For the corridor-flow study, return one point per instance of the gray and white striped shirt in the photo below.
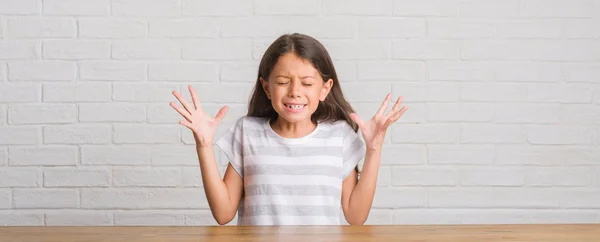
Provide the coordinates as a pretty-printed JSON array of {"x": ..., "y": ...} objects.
[{"x": 291, "y": 181}]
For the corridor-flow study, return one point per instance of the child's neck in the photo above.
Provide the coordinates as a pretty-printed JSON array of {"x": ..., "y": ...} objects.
[{"x": 293, "y": 130}]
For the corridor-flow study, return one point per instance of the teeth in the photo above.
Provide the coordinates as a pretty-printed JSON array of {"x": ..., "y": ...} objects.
[{"x": 295, "y": 106}]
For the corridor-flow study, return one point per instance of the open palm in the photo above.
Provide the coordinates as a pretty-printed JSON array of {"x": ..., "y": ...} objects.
[
  {"x": 202, "y": 125},
  {"x": 374, "y": 130}
]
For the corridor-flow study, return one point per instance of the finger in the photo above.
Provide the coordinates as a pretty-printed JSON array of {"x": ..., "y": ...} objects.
[
  {"x": 183, "y": 102},
  {"x": 397, "y": 105},
  {"x": 221, "y": 114},
  {"x": 384, "y": 104},
  {"x": 395, "y": 117},
  {"x": 357, "y": 119},
  {"x": 183, "y": 113},
  {"x": 186, "y": 124},
  {"x": 194, "y": 97}
]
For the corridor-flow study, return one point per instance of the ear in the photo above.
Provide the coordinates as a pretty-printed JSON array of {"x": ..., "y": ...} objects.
[
  {"x": 265, "y": 86},
  {"x": 325, "y": 90}
]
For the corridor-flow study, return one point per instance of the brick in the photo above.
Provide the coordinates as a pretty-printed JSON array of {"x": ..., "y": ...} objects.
[
  {"x": 165, "y": 114},
  {"x": 363, "y": 92},
  {"x": 77, "y": 134},
  {"x": 217, "y": 7},
  {"x": 259, "y": 26},
  {"x": 579, "y": 29},
  {"x": 77, "y": 92},
  {"x": 415, "y": 114},
  {"x": 287, "y": 7},
  {"x": 144, "y": 92},
  {"x": 20, "y": 135},
  {"x": 559, "y": 134},
  {"x": 246, "y": 72},
  {"x": 42, "y": 70},
  {"x": 146, "y": 134},
  {"x": 79, "y": 218},
  {"x": 447, "y": 70},
  {"x": 392, "y": 197},
  {"x": 76, "y": 7},
  {"x": 174, "y": 155},
  {"x": 358, "y": 49},
  {"x": 149, "y": 218},
  {"x": 392, "y": 70},
  {"x": 184, "y": 28},
  {"x": 41, "y": 27},
  {"x": 559, "y": 92},
  {"x": 489, "y": 8},
  {"x": 45, "y": 198},
  {"x": 230, "y": 93},
  {"x": 259, "y": 46},
  {"x": 20, "y": 177},
  {"x": 183, "y": 71},
  {"x": 546, "y": 155},
  {"x": 5, "y": 199},
  {"x": 75, "y": 49},
  {"x": 427, "y": 92},
  {"x": 580, "y": 114},
  {"x": 357, "y": 7},
  {"x": 138, "y": 198},
  {"x": 596, "y": 90},
  {"x": 217, "y": 49},
  {"x": 459, "y": 29},
  {"x": 582, "y": 72},
  {"x": 415, "y": 176},
  {"x": 559, "y": 9},
  {"x": 113, "y": 71},
  {"x": 18, "y": 50},
  {"x": 191, "y": 176},
  {"x": 162, "y": 8},
  {"x": 112, "y": 112},
  {"x": 424, "y": 133},
  {"x": 203, "y": 218},
  {"x": 346, "y": 70},
  {"x": 433, "y": 8},
  {"x": 76, "y": 177},
  {"x": 428, "y": 49},
  {"x": 321, "y": 27},
  {"x": 580, "y": 199},
  {"x": 115, "y": 155},
  {"x": 43, "y": 156},
  {"x": 42, "y": 113},
  {"x": 3, "y": 156},
  {"x": 493, "y": 92},
  {"x": 527, "y": 113},
  {"x": 146, "y": 177},
  {"x": 384, "y": 176},
  {"x": 3, "y": 114},
  {"x": 146, "y": 49},
  {"x": 452, "y": 112},
  {"x": 20, "y": 7},
  {"x": 493, "y": 197},
  {"x": 528, "y": 71},
  {"x": 558, "y": 176},
  {"x": 492, "y": 133},
  {"x": 21, "y": 218},
  {"x": 460, "y": 154},
  {"x": 529, "y": 29},
  {"x": 391, "y": 28},
  {"x": 379, "y": 217},
  {"x": 492, "y": 176},
  {"x": 538, "y": 50},
  {"x": 112, "y": 28}
]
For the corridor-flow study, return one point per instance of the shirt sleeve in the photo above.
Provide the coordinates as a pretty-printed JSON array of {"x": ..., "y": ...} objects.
[
  {"x": 354, "y": 150},
  {"x": 231, "y": 143}
]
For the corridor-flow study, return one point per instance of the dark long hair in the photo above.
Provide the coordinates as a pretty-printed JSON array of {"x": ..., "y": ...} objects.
[{"x": 334, "y": 108}]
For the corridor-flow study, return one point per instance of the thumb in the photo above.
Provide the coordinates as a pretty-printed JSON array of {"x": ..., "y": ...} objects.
[
  {"x": 221, "y": 114},
  {"x": 357, "y": 119}
]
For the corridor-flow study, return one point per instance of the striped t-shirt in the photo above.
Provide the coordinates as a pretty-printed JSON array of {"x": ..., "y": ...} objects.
[{"x": 291, "y": 181}]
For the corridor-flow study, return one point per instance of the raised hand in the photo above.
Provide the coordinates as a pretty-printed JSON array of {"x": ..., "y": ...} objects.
[
  {"x": 202, "y": 125},
  {"x": 374, "y": 130}
]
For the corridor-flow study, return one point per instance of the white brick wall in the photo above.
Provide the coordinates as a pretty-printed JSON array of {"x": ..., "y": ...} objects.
[{"x": 503, "y": 125}]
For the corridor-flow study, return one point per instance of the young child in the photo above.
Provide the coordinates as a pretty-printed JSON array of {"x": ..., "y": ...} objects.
[{"x": 293, "y": 157}]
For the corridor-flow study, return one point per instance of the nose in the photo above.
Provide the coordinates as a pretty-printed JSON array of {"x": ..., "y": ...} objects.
[{"x": 294, "y": 90}]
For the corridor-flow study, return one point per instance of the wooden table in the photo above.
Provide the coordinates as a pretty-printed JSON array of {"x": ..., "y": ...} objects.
[{"x": 396, "y": 233}]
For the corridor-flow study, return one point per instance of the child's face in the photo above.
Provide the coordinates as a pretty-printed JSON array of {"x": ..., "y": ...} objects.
[{"x": 295, "y": 88}]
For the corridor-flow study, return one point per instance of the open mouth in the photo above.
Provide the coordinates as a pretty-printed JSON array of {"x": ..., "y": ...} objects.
[{"x": 294, "y": 108}]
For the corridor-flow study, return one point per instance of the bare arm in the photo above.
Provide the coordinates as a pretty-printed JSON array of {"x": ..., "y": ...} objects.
[
  {"x": 223, "y": 195},
  {"x": 357, "y": 195}
]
